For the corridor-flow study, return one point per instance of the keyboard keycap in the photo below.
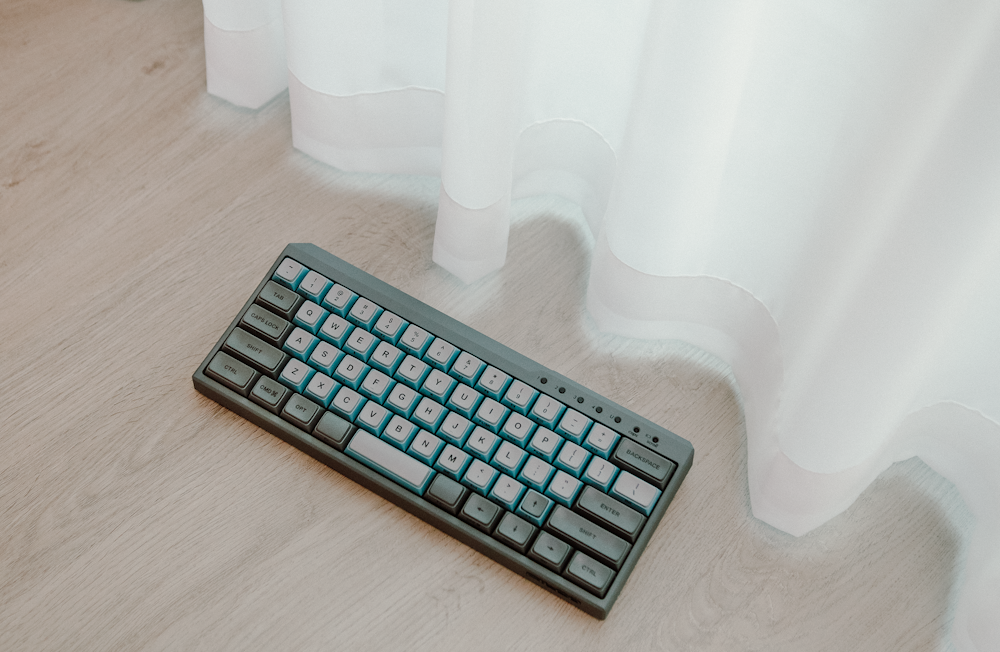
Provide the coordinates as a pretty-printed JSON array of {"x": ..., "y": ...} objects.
[
  {"x": 535, "y": 507},
  {"x": 429, "y": 414},
  {"x": 267, "y": 325},
  {"x": 520, "y": 397},
  {"x": 232, "y": 373},
  {"x": 481, "y": 513},
  {"x": 493, "y": 382},
  {"x": 646, "y": 464},
  {"x": 426, "y": 447},
  {"x": 600, "y": 473},
  {"x": 600, "y": 440},
  {"x": 573, "y": 426},
  {"x": 325, "y": 357},
  {"x": 438, "y": 385},
  {"x": 310, "y": 317},
  {"x": 480, "y": 477},
  {"x": 296, "y": 374},
  {"x": 453, "y": 462},
  {"x": 441, "y": 354},
  {"x": 333, "y": 430},
  {"x": 615, "y": 515},
  {"x": 464, "y": 400},
  {"x": 515, "y": 532},
  {"x": 415, "y": 340},
  {"x": 390, "y": 461},
  {"x": 518, "y": 429},
  {"x": 455, "y": 429},
  {"x": 360, "y": 344},
  {"x": 373, "y": 418},
  {"x": 638, "y": 493},
  {"x": 607, "y": 547},
  {"x": 563, "y": 488},
  {"x": 482, "y": 444},
  {"x": 389, "y": 326},
  {"x": 402, "y": 399},
  {"x": 467, "y": 368},
  {"x": 572, "y": 459},
  {"x": 321, "y": 389},
  {"x": 547, "y": 411},
  {"x": 386, "y": 358},
  {"x": 490, "y": 414},
  {"x": 347, "y": 403},
  {"x": 336, "y": 330},
  {"x": 509, "y": 458},
  {"x": 270, "y": 393},
  {"x": 413, "y": 372},
  {"x": 301, "y": 344},
  {"x": 290, "y": 272},
  {"x": 301, "y": 412},
  {"x": 446, "y": 493},
  {"x": 377, "y": 385},
  {"x": 314, "y": 285},
  {"x": 256, "y": 351},
  {"x": 590, "y": 573},
  {"x": 399, "y": 432},
  {"x": 507, "y": 491},
  {"x": 364, "y": 313},
  {"x": 351, "y": 371},
  {"x": 545, "y": 444},
  {"x": 279, "y": 299},
  {"x": 536, "y": 473},
  {"x": 339, "y": 299},
  {"x": 550, "y": 551}
]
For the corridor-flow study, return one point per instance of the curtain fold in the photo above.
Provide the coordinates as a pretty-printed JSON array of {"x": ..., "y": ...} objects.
[{"x": 809, "y": 191}]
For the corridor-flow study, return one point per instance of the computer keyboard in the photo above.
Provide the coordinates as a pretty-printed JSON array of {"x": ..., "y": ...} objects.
[{"x": 537, "y": 472}]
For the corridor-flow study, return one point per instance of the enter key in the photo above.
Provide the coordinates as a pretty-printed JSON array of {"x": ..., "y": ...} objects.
[{"x": 618, "y": 517}]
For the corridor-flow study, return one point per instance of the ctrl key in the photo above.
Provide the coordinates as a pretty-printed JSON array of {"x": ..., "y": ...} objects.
[
  {"x": 231, "y": 372},
  {"x": 590, "y": 574}
]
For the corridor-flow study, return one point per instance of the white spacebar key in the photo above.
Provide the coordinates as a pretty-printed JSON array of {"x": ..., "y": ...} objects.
[{"x": 390, "y": 461}]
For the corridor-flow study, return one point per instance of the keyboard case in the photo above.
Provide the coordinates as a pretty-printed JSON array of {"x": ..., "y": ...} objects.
[{"x": 546, "y": 381}]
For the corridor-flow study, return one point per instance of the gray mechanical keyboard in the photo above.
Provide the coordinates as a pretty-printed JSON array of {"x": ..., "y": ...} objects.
[{"x": 535, "y": 471}]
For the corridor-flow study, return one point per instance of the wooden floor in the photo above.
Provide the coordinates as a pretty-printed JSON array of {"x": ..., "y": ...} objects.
[{"x": 136, "y": 215}]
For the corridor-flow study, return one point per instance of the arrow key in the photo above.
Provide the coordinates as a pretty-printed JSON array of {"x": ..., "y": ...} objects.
[
  {"x": 515, "y": 532},
  {"x": 550, "y": 552},
  {"x": 481, "y": 513}
]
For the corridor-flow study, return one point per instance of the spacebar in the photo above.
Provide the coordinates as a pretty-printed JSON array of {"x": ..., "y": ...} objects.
[{"x": 390, "y": 461}]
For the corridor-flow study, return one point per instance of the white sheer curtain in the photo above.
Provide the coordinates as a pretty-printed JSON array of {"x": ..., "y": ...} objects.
[{"x": 810, "y": 190}]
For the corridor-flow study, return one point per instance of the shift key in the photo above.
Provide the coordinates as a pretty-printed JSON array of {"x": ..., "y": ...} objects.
[
  {"x": 256, "y": 351},
  {"x": 580, "y": 532}
]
